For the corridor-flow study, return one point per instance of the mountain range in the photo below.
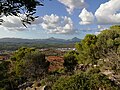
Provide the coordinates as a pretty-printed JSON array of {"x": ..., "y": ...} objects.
[{"x": 45, "y": 41}]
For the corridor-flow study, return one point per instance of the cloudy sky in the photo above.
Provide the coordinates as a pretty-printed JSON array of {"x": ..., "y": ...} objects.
[{"x": 65, "y": 19}]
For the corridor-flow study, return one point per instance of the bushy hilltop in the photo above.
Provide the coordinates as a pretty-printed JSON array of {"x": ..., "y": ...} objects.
[{"x": 94, "y": 65}]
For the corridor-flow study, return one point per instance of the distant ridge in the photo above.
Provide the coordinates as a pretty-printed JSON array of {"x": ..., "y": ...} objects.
[{"x": 49, "y": 40}]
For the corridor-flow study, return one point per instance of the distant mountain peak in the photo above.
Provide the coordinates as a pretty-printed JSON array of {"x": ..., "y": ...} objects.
[
  {"x": 75, "y": 39},
  {"x": 52, "y": 38}
]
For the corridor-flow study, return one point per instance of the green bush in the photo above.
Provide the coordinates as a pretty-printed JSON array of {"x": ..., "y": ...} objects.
[{"x": 84, "y": 81}]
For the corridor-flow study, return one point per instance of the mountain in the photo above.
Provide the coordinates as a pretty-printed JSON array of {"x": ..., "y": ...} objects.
[
  {"x": 45, "y": 41},
  {"x": 52, "y": 38},
  {"x": 75, "y": 39},
  {"x": 14, "y": 40}
]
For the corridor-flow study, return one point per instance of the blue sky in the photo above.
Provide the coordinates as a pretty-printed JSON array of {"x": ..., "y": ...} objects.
[{"x": 65, "y": 19}]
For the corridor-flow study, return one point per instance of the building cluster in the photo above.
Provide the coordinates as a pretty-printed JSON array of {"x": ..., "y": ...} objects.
[{"x": 65, "y": 49}]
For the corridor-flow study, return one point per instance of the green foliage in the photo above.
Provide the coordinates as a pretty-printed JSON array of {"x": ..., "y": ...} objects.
[
  {"x": 93, "y": 70},
  {"x": 4, "y": 75},
  {"x": 36, "y": 66},
  {"x": 108, "y": 44},
  {"x": 70, "y": 61},
  {"x": 20, "y": 53},
  {"x": 108, "y": 40},
  {"x": 84, "y": 81},
  {"x": 115, "y": 27},
  {"x": 49, "y": 81},
  {"x": 93, "y": 47},
  {"x": 104, "y": 48},
  {"x": 87, "y": 50},
  {"x": 29, "y": 63}
]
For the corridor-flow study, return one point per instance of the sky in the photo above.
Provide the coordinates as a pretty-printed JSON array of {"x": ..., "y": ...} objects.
[{"x": 65, "y": 19}]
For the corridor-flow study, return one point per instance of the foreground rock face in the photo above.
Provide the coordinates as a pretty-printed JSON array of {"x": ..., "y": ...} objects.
[
  {"x": 32, "y": 86},
  {"x": 36, "y": 88}
]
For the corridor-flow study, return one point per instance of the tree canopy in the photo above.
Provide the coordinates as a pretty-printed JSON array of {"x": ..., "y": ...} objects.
[
  {"x": 87, "y": 49},
  {"x": 70, "y": 61},
  {"x": 102, "y": 50},
  {"x": 29, "y": 62},
  {"x": 93, "y": 47}
]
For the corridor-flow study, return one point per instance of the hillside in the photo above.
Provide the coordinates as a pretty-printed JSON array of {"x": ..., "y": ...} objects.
[{"x": 51, "y": 40}]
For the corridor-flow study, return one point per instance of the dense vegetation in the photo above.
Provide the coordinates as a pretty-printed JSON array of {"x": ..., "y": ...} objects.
[
  {"x": 27, "y": 64},
  {"x": 95, "y": 65},
  {"x": 84, "y": 81}
]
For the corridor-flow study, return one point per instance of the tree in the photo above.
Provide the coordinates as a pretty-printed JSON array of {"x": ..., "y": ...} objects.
[
  {"x": 70, "y": 61},
  {"x": 26, "y": 65},
  {"x": 17, "y": 7},
  {"x": 29, "y": 63},
  {"x": 103, "y": 50},
  {"x": 93, "y": 48},
  {"x": 36, "y": 66},
  {"x": 87, "y": 50},
  {"x": 108, "y": 44},
  {"x": 108, "y": 40}
]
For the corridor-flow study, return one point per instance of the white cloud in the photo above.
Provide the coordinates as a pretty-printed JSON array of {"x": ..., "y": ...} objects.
[
  {"x": 51, "y": 23},
  {"x": 73, "y": 4},
  {"x": 86, "y": 17},
  {"x": 56, "y": 24},
  {"x": 108, "y": 13},
  {"x": 101, "y": 28},
  {"x": 98, "y": 32},
  {"x": 12, "y": 23}
]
